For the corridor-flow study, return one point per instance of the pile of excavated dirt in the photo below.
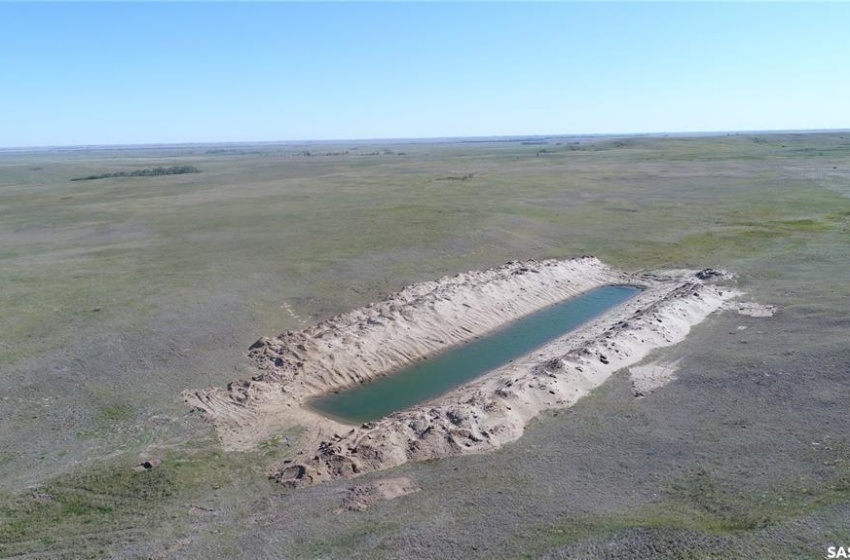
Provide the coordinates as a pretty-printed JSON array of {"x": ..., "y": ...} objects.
[
  {"x": 359, "y": 498},
  {"x": 428, "y": 317}
]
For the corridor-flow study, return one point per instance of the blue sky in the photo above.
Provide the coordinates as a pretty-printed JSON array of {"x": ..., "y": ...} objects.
[{"x": 112, "y": 73}]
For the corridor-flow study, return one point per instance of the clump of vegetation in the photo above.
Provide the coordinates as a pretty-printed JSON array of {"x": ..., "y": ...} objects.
[
  {"x": 152, "y": 172},
  {"x": 465, "y": 177}
]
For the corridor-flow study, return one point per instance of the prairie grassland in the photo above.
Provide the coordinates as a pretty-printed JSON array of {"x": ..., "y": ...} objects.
[{"x": 119, "y": 293}]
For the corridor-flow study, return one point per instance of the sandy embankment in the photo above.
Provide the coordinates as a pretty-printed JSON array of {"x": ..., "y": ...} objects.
[{"x": 425, "y": 318}]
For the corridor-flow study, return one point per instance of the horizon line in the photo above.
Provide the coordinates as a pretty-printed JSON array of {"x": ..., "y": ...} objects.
[{"x": 423, "y": 139}]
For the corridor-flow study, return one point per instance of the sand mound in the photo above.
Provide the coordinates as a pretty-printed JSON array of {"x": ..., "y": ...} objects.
[
  {"x": 360, "y": 498},
  {"x": 752, "y": 309},
  {"x": 649, "y": 377},
  {"x": 424, "y": 318}
]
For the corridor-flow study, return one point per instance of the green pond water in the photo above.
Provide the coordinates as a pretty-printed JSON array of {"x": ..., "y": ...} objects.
[{"x": 443, "y": 372}]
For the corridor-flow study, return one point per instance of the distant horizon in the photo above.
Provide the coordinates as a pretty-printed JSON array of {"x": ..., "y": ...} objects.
[{"x": 423, "y": 139}]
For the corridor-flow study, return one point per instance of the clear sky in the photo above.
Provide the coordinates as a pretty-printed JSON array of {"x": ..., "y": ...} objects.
[{"x": 110, "y": 73}]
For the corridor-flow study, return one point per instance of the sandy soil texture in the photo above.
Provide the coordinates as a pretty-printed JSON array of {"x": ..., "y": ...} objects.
[
  {"x": 425, "y": 318},
  {"x": 359, "y": 498}
]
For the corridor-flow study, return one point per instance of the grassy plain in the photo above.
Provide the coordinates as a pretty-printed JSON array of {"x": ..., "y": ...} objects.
[{"x": 119, "y": 293}]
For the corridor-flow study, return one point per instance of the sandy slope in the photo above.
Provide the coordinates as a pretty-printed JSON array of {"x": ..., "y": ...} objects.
[{"x": 427, "y": 317}]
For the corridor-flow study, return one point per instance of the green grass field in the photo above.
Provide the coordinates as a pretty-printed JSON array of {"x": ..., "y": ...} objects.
[{"x": 119, "y": 293}]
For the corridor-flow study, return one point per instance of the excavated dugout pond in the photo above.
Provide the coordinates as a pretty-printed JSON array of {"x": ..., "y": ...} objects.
[{"x": 442, "y": 373}]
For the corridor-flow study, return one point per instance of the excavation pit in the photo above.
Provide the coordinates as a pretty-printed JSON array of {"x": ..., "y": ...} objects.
[{"x": 439, "y": 374}]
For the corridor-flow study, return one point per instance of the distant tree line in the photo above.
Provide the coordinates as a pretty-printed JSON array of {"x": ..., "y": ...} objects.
[
  {"x": 232, "y": 152},
  {"x": 308, "y": 153},
  {"x": 152, "y": 172},
  {"x": 352, "y": 152},
  {"x": 465, "y": 177}
]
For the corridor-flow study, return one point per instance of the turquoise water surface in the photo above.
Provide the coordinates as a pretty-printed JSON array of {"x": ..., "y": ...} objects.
[{"x": 443, "y": 372}]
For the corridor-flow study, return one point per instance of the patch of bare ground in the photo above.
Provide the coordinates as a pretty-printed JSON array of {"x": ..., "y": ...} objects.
[{"x": 359, "y": 498}]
